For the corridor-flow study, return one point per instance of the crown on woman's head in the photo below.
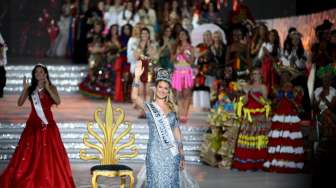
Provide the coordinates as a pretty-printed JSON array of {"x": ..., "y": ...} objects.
[
  {"x": 163, "y": 75},
  {"x": 40, "y": 65}
]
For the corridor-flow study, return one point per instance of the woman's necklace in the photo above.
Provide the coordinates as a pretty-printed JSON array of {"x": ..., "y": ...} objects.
[{"x": 39, "y": 88}]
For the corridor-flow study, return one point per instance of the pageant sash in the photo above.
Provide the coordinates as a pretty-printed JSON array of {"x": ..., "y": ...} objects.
[
  {"x": 162, "y": 125},
  {"x": 38, "y": 107}
]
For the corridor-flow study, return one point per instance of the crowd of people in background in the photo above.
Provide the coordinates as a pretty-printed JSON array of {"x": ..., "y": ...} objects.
[{"x": 269, "y": 77}]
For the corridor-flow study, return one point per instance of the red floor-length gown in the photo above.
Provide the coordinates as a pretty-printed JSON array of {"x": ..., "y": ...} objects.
[{"x": 40, "y": 159}]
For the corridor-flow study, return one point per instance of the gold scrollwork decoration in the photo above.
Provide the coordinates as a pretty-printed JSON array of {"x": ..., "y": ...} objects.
[{"x": 109, "y": 144}]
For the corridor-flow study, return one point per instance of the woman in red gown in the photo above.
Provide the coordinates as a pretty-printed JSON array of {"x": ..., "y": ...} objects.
[{"x": 40, "y": 159}]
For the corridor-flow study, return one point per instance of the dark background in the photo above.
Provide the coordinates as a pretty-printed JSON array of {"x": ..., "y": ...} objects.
[{"x": 20, "y": 26}]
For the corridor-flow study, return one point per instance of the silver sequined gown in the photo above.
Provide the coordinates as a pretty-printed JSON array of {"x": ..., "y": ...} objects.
[{"x": 162, "y": 169}]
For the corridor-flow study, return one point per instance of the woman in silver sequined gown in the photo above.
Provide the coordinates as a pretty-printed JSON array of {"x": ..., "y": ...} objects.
[{"x": 162, "y": 166}]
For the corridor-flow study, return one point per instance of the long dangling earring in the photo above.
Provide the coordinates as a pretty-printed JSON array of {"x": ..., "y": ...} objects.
[
  {"x": 154, "y": 97},
  {"x": 167, "y": 97}
]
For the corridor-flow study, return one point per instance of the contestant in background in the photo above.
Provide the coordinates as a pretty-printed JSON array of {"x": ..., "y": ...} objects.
[
  {"x": 251, "y": 148},
  {"x": 285, "y": 140},
  {"x": 182, "y": 79},
  {"x": 146, "y": 52}
]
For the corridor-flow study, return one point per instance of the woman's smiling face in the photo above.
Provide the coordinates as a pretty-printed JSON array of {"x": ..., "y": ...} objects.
[
  {"x": 40, "y": 74},
  {"x": 162, "y": 89}
]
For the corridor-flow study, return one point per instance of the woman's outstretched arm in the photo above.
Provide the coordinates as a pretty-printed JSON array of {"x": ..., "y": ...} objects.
[
  {"x": 24, "y": 93},
  {"x": 136, "y": 84}
]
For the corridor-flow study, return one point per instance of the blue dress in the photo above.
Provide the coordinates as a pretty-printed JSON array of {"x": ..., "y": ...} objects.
[{"x": 162, "y": 168}]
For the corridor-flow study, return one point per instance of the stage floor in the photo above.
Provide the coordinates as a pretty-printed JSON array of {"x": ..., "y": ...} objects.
[{"x": 206, "y": 176}]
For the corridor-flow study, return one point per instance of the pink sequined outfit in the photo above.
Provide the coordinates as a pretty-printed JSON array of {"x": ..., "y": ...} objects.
[{"x": 182, "y": 76}]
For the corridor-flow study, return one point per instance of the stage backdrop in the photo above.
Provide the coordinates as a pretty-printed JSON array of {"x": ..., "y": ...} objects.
[{"x": 305, "y": 24}]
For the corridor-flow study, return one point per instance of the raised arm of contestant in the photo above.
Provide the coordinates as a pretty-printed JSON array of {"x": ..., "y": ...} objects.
[
  {"x": 136, "y": 84},
  {"x": 24, "y": 93}
]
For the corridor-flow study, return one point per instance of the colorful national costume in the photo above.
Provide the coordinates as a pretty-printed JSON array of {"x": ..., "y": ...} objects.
[
  {"x": 251, "y": 148},
  {"x": 285, "y": 140}
]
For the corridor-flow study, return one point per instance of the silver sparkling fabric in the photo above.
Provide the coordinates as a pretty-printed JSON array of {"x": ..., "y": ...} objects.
[{"x": 162, "y": 168}]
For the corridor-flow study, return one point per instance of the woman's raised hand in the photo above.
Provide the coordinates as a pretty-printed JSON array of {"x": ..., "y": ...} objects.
[
  {"x": 138, "y": 69},
  {"x": 25, "y": 83},
  {"x": 46, "y": 84}
]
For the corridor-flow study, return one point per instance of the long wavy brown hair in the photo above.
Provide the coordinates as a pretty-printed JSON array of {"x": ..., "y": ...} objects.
[{"x": 171, "y": 99}]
